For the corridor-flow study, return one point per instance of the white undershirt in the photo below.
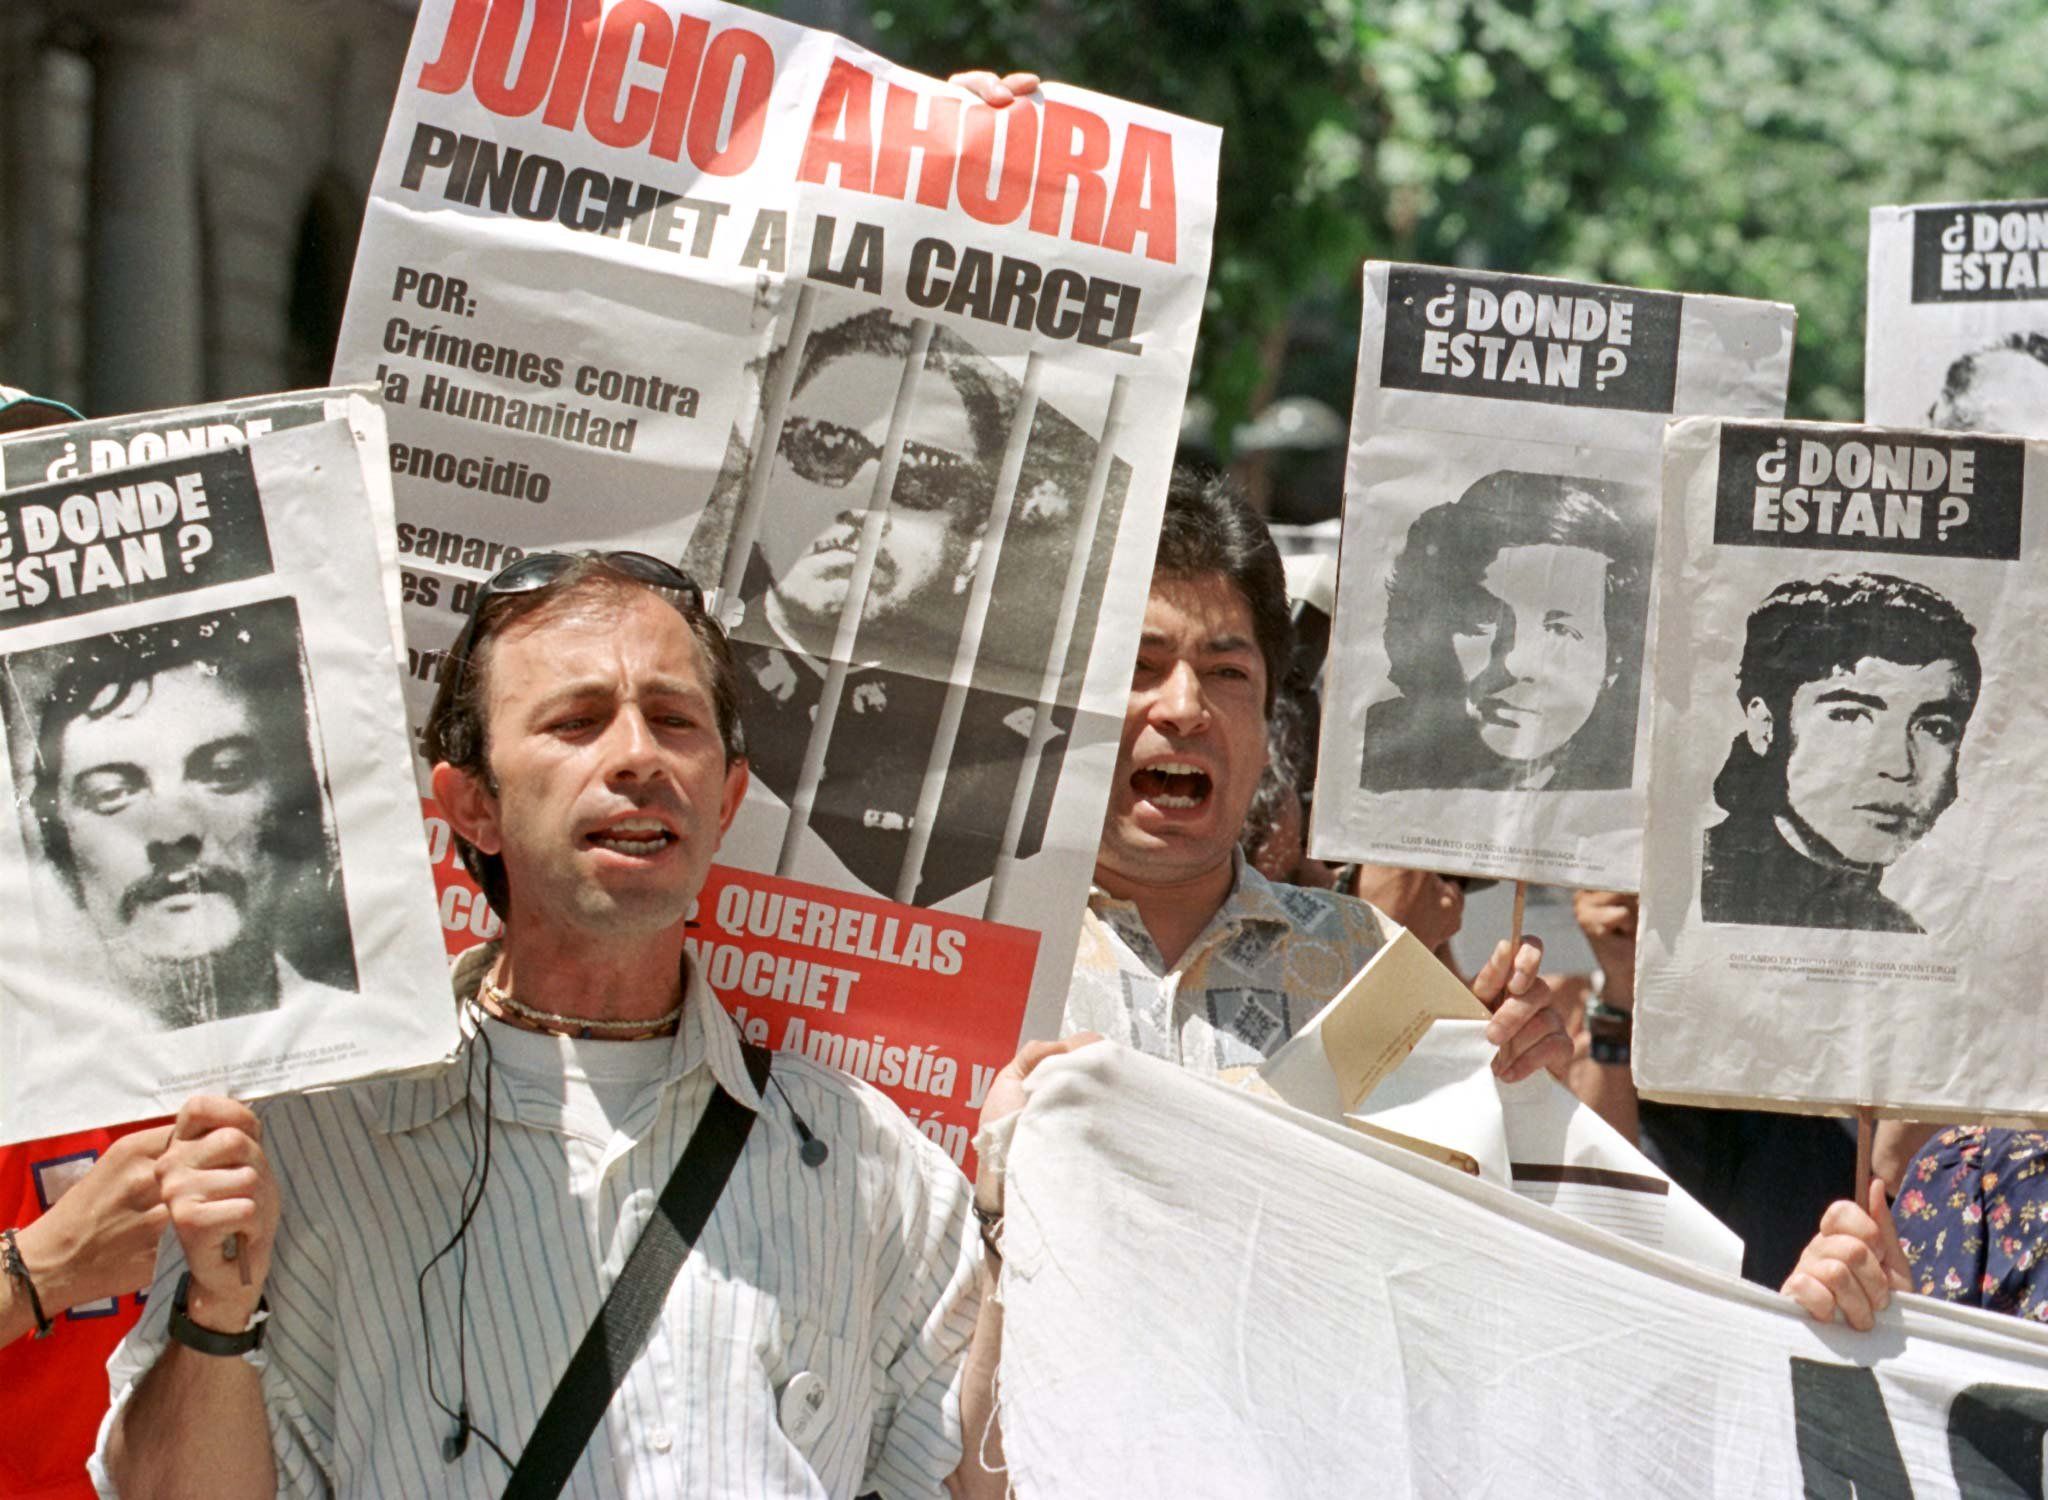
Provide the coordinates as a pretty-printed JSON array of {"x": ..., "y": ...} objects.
[{"x": 598, "y": 1081}]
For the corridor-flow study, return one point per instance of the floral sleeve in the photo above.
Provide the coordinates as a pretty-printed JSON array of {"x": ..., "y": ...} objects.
[{"x": 1973, "y": 1219}]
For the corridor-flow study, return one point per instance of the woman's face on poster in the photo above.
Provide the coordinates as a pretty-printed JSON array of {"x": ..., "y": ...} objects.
[
  {"x": 830, "y": 453},
  {"x": 1532, "y": 648}
]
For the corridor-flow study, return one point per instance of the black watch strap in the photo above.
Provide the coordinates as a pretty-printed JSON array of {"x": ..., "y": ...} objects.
[
  {"x": 1609, "y": 1051},
  {"x": 1609, "y": 1031},
  {"x": 206, "y": 1340}
]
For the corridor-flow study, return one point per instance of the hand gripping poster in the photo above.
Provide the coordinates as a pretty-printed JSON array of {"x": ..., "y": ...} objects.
[
  {"x": 1840, "y": 902},
  {"x": 214, "y": 857},
  {"x": 1483, "y": 707},
  {"x": 1957, "y": 327},
  {"x": 895, "y": 375}
]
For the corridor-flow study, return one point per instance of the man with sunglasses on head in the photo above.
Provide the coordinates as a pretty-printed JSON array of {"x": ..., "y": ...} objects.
[
  {"x": 374, "y": 1290},
  {"x": 798, "y": 580}
]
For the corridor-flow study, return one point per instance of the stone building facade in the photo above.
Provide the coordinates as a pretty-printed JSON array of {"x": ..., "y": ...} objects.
[
  {"x": 180, "y": 188},
  {"x": 181, "y": 184}
]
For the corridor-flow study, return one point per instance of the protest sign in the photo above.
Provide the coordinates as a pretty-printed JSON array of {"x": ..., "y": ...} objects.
[
  {"x": 896, "y": 374},
  {"x": 1956, "y": 332},
  {"x": 1482, "y": 708},
  {"x": 1849, "y": 782},
  {"x": 49, "y": 454},
  {"x": 1341, "y": 1317},
  {"x": 216, "y": 864}
]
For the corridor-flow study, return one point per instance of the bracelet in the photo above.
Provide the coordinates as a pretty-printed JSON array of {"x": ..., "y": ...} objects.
[
  {"x": 991, "y": 1221},
  {"x": 17, "y": 1268}
]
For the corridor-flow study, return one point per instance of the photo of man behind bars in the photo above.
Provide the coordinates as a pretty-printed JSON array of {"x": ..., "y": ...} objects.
[{"x": 911, "y": 558}]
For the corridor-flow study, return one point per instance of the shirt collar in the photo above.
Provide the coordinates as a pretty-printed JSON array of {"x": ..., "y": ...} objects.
[
  {"x": 1253, "y": 898},
  {"x": 706, "y": 1037},
  {"x": 1253, "y": 901}
]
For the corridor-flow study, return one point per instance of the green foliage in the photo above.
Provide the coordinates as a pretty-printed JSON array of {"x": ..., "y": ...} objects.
[
  {"x": 1784, "y": 123},
  {"x": 1698, "y": 145}
]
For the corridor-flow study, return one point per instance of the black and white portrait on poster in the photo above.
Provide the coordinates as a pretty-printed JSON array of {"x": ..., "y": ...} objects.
[
  {"x": 2001, "y": 386},
  {"x": 216, "y": 863},
  {"x": 179, "y": 813},
  {"x": 831, "y": 567},
  {"x": 1483, "y": 698},
  {"x": 1848, "y": 791},
  {"x": 1856, "y": 691},
  {"x": 1514, "y": 637},
  {"x": 1957, "y": 323}
]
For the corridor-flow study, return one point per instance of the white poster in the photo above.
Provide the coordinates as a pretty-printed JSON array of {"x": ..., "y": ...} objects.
[
  {"x": 1208, "y": 1294},
  {"x": 44, "y": 455},
  {"x": 214, "y": 856},
  {"x": 1956, "y": 334},
  {"x": 1839, "y": 868},
  {"x": 895, "y": 374},
  {"x": 1483, "y": 709}
]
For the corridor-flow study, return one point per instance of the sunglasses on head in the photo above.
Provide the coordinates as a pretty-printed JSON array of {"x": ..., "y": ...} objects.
[
  {"x": 537, "y": 570},
  {"x": 827, "y": 453}
]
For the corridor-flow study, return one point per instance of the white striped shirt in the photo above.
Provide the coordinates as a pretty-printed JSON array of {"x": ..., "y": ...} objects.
[{"x": 860, "y": 1271}]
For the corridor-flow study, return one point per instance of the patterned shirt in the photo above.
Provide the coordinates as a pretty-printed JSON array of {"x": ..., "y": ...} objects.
[
  {"x": 1973, "y": 1219},
  {"x": 1271, "y": 957},
  {"x": 810, "y": 1346}
]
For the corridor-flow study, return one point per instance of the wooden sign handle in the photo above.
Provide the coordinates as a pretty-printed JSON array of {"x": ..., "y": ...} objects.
[{"x": 1866, "y": 1132}]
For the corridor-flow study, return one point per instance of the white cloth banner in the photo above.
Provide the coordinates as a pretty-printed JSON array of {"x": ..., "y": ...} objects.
[
  {"x": 1483, "y": 709},
  {"x": 1851, "y": 796},
  {"x": 1207, "y": 1293},
  {"x": 1956, "y": 330},
  {"x": 215, "y": 862}
]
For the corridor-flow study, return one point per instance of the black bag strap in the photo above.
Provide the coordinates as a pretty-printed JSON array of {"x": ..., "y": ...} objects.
[{"x": 599, "y": 1366}]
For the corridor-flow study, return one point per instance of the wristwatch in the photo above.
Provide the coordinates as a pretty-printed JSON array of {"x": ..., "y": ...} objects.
[
  {"x": 1609, "y": 1030},
  {"x": 206, "y": 1340}
]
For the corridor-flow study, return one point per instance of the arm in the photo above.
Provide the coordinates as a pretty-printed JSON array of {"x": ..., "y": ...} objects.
[
  {"x": 1608, "y": 919},
  {"x": 1429, "y": 905},
  {"x": 196, "y": 1424},
  {"x": 1853, "y": 1265},
  {"x": 983, "y": 1472},
  {"x": 1606, "y": 1088},
  {"x": 97, "y": 1240}
]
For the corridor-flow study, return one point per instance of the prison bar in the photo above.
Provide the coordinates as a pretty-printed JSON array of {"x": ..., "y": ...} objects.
[
  {"x": 933, "y": 787},
  {"x": 805, "y": 799},
  {"x": 746, "y": 526},
  {"x": 997, "y": 906}
]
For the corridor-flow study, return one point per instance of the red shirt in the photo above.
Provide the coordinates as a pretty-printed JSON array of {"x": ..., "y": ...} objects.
[{"x": 57, "y": 1386}]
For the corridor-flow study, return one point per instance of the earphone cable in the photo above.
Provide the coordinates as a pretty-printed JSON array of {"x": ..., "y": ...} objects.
[{"x": 471, "y": 1200}]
